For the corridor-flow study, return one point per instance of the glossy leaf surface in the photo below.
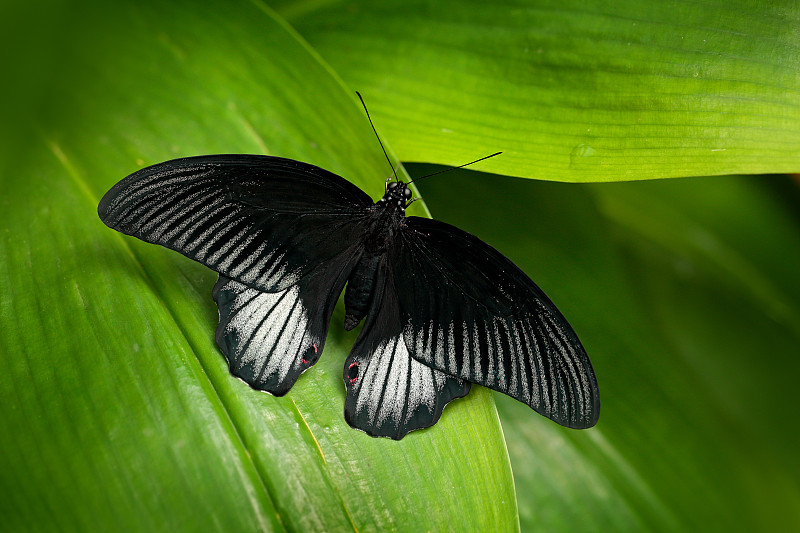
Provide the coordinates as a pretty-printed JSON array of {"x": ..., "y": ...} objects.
[
  {"x": 572, "y": 90},
  {"x": 118, "y": 410}
]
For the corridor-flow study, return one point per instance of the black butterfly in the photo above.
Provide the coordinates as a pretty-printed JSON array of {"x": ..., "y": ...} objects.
[{"x": 443, "y": 309}]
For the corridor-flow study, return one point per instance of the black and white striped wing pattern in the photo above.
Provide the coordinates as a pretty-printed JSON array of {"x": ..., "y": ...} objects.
[
  {"x": 263, "y": 221},
  {"x": 270, "y": 338},
  {"x": 470, "y": 312},
  {"x": 388, "y": 393}
]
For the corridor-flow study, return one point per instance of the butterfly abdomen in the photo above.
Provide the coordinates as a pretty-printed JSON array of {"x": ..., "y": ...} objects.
[
  {"x": 386, "y": 219},
  {"x": 360, "y": 289}
]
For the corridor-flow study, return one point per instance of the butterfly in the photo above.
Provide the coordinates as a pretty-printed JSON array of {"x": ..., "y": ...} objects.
[{"x": 441, "y": 308}]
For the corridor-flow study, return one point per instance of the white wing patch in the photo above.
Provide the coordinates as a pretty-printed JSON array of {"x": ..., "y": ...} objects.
[
  {"x": 266, "y": 336},
  {"x": 390, "y": 394},
  {"x": 393, "y": 385}
]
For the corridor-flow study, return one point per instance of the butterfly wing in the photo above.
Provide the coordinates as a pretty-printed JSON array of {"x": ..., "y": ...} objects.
[
  {"x": 468, "y": 311},
  {"x": 270, "y": 338},
  {"x": 283, "y": 235},
  {"x": 263, "y": 221},
  {"x": 388, "y": 392}
]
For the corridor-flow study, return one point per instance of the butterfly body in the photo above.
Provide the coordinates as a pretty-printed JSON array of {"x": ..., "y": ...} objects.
[
  {"x": 442, "y": 309},
  {"x": 385, "y": 219}
]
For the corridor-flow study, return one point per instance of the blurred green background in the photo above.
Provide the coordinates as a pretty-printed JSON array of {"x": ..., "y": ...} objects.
[{"x": 117, "y": 410}]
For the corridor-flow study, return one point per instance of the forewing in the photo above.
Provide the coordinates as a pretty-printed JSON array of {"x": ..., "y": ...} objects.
[
  {"x": 388, "y": 392},
  {"x": 270, "y": 338},
  {"x": 470, "y": 312},
  {"x": 264, "y": 221}
]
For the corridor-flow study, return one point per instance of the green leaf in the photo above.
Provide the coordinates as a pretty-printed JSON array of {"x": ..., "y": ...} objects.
[
  {"x": 118, "y": 410},
  {"x": 685, "y": 294},
  {"x": 572, "y": 90}
]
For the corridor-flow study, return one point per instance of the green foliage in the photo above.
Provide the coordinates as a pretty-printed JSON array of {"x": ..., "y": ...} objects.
[
  {"x": 574, "y": 90},
  {"x": 685, "y": 291},
  {"x": 118, "y": 411}
]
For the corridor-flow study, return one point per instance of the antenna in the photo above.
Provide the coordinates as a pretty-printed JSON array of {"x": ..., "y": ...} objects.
[
  {"x": 378, "y": 137},
  {"x": 453, "y": 168}
]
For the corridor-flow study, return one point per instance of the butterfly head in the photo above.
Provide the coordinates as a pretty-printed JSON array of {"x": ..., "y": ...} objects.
[{"x": 397, "y": 193}]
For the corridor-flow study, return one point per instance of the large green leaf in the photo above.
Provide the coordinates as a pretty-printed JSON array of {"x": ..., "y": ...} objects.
[
  {"x": 574, "y": 90},
  {"x": 685, "y": 294},
  {"x": 118, "y": 410}
]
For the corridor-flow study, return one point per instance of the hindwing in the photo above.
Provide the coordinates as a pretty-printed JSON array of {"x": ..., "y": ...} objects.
[
  {"x": 388, "y": 392},
  {"x": 270, "y": 338}
]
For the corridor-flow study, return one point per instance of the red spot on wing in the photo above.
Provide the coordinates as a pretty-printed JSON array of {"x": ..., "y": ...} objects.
[
  {"x": 353, "y": 371},
  {"x": 304, "y": 360}
]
